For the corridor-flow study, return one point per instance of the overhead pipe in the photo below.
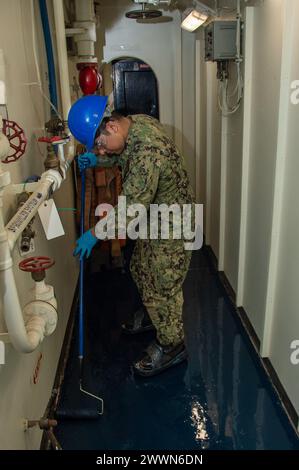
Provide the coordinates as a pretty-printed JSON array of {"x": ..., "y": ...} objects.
[{"x": 85, "y": 18}]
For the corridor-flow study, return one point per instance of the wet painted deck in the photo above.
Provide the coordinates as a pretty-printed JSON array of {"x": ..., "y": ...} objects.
[{"x": 220, "y": 399}]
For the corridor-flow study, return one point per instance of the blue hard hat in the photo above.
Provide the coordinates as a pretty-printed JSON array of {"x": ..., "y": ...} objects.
[{"x": 85, "y": 116}]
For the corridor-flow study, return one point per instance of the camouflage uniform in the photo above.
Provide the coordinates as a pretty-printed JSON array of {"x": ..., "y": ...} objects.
[{"x": 153, "y": 172}]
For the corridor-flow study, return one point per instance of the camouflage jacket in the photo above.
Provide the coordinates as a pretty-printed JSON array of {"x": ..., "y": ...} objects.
[{"x": 153, "y": 170}]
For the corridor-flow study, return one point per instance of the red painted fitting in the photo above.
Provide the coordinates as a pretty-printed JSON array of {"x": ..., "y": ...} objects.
[{"x": 89, "y": 78}]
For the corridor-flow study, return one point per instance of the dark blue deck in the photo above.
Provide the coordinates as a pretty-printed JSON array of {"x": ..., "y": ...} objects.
[{"x": 221, "y": 399}]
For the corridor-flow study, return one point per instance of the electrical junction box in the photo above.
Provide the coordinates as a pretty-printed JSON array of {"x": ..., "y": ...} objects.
[{"x": 220, "y": 40}]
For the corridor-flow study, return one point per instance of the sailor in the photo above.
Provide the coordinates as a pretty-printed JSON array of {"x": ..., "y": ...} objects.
[{"x": 153, "y": 172}]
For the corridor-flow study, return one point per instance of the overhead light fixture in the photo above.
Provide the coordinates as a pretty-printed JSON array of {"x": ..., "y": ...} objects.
[
  {"x": 193, "y": 20},
  {"x": 195, "y": 17}
]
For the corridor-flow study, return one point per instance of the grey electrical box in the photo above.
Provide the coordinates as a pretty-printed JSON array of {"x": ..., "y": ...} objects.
[{"x": 220, "y": 40}]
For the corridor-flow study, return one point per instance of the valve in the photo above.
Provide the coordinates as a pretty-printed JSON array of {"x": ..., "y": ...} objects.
[
  {"x": 44, "y": 424},
  {"x": 16, "y": 138},
  {"x": 52, "y": 161},
  {"x": 37, "y": 265},
  {"x": 47, "y": 426},
  {"x": 89, "y": 78}
]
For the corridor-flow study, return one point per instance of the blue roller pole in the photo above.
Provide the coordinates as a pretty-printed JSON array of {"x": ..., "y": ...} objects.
[{"x": 81, "y": 299}]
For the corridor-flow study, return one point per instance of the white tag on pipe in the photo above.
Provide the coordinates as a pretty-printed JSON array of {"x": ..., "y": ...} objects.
[{"x": 50, "y": 220}]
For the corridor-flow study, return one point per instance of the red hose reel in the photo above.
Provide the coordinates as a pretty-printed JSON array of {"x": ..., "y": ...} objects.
[{"x": 17, "y": 140}]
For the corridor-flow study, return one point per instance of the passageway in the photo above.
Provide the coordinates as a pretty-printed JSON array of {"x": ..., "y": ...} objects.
[{"x": 221, "y": 399}]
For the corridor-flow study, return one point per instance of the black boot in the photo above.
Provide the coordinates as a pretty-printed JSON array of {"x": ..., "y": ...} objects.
[
  {"x": 140, "y": 322},
  {"x": 159, "y": 358}
]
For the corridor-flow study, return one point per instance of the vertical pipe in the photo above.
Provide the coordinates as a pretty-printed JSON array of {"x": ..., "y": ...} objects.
[
  {"x": 178, "y": 87},
  {"x": 63, "y": 72},
  {"x": 62, "y": 57},
  {"x": 197, "y": 117},
  {"x": 84, "y": 10},
  {"x": 81, "y": 300},
  {"x": 223, "y": 190},
  {"x": 246, "y": 150},
  {"x": 210, "y": 137}
]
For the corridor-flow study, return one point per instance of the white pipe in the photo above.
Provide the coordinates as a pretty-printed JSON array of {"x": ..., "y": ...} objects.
[
  {"x": 20, "y": 188},
  {"x": 4, "y": 144},
  {"x": 84, "y": 10},
  {"x": 28, "y": 210},
  {"x": 62, "y": 57},
  {"x": 69, "y": 32},
  {"x": 24, "y": 339},
  {"x": 85, "y": 18}
]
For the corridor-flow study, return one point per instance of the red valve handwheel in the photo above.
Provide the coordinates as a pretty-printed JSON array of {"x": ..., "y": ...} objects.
[
  {"x": 16, "y": 138},
  {"x": 36, "y": 264}
]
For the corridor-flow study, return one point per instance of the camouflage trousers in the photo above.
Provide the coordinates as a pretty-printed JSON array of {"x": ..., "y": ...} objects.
[{"x": 159, "y": 268}]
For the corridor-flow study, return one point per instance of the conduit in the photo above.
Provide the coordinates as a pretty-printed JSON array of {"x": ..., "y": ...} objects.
[{"x": 49, "y": 52}]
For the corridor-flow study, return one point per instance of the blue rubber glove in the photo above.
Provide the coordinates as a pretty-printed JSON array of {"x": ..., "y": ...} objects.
[
  {"x": 85, "y": 244},
  {"x": 87, "y": 160}
]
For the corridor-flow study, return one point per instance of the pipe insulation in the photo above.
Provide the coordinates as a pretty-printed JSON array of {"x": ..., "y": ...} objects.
[
  {"x": 63, "y": 72},
  {"x": 24, "y": 338},
  {"x": 62, "y": 57},
  {"x": 41, "y": 318},
  {"x": 85, "y": 18}
]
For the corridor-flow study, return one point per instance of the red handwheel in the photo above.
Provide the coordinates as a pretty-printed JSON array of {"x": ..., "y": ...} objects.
[
  {"x": 16, "y": 138},
  {"x": 36, "y": 264}
]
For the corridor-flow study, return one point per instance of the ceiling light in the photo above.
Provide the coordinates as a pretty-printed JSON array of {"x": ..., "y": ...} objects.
[
  {"x": 196, "y": 16},
  {"x": 193, "y": 20}
]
